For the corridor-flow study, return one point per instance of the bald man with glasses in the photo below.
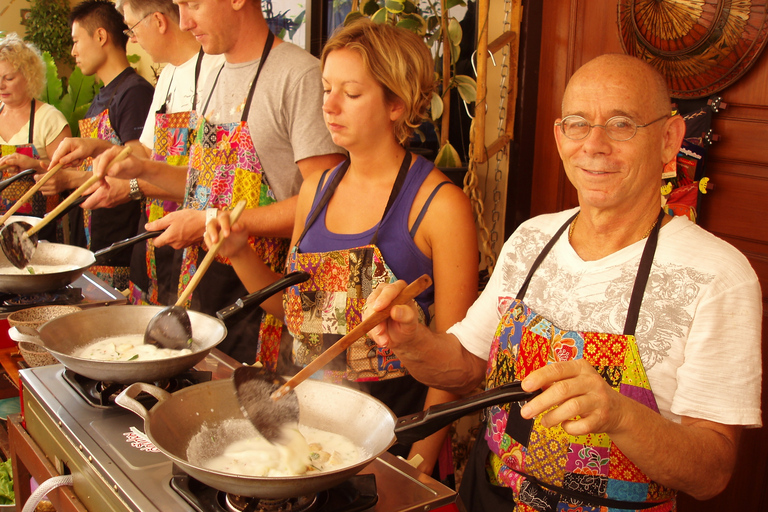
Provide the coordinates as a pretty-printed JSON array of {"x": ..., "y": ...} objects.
[{"x": 640, "y": 331}]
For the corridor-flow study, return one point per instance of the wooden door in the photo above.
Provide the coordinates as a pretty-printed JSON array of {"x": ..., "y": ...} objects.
[{"x": 575, "y": 31}]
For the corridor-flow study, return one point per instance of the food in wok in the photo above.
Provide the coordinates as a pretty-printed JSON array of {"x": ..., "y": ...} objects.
[{"x": 127, "y": 347}]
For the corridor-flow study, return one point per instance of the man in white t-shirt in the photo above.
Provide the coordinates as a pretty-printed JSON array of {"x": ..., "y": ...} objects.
[{"x": 641, "y": 330}]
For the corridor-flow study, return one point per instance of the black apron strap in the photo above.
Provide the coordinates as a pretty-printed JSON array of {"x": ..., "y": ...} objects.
[
  {"x": 264, "y": 55},
  {"x": 643, "y": 273},
  {"x": 210, "y": 94},
  {"x": 32, "y": 122},
  {"x": 542, "y": 255},
  {"x": 198, "y": 67},
  {"x": 331, "y": 188}
]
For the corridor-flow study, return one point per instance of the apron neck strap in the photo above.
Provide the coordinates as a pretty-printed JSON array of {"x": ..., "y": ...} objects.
[
  {"x": 331, "y": 188},
  {"x": 643, "y": 271},
  {"x": 264, "y": 55},
  {"x": 198, "y": 67},
  {"x": 32, "y": 121}
]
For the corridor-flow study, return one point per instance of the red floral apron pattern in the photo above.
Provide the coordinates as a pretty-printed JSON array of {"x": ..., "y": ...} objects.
[
  {"x": 321, "y": 310},
  {"x": 99, "y": 127},
  {"x": 174, "y": 134},
  {"x": 525, "y": 454}
]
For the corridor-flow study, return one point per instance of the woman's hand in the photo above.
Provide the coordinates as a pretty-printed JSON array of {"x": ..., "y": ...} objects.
[{"x": 235, "y": 237}]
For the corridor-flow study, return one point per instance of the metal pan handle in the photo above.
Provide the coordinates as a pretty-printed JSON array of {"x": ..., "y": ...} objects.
[
  {"x": 257, "y": 297},
  {"x": 126, "y": 243},
  {"x": 412, "y": 428},
  {"x": 127, "y": 397},
  {"x": 4, "y": 184}
]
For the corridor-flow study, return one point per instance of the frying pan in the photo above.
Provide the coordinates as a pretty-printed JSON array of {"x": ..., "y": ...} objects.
[
  {"x": 178, "y": 423},
  {"x": 66, "y": 335},
  {"x": 76, "y": 259}
]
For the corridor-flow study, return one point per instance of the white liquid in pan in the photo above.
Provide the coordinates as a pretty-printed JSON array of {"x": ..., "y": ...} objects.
[
  {"x": 129, "y": 347},
  {"x": 307, "y": 450},
  {"x": 36, "y": 269}
]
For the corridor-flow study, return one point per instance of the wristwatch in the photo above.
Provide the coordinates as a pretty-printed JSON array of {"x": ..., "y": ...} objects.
[{"x": 135, "y": 193}]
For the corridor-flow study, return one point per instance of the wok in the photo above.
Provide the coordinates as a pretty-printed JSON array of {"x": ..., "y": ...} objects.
[
  {"x": 180, "y": 423},
  {"x": 75, "y": 258},
  {"x": 66, "y": 335}
]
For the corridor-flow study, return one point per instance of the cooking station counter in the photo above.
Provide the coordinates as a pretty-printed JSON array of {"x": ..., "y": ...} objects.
[{"x": 115, "y": 467}]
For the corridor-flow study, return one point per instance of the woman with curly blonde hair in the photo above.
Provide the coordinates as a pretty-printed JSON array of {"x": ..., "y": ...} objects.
[
  {"x": 30, "y": 130},
  {"x": 383, "y": 214}
]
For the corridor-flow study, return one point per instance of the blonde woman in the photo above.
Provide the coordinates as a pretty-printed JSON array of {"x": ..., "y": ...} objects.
[
  {"x": 383, "y": 214},
  {"x": 30, "y": 130}
]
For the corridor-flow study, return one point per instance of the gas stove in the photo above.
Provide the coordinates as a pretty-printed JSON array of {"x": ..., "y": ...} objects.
[{"x": 117, "y": 468}]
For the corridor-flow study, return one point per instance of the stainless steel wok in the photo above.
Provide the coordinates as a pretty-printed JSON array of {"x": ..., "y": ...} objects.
[
  {"x": 75, "y": 258},
  {"x": 208, "y": 408},
  {"x": 66, "y": 335}
]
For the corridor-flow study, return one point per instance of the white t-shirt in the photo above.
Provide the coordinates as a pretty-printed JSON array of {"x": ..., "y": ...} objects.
[
  {"x": 48, "y": 125},
  {"x": 176, "y": 84},
  {"x": 699, "y": 327},
  {"x": 285, "y": 118}
]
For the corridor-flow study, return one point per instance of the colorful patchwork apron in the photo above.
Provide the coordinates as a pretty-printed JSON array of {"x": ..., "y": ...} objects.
[
  {"x": 174, "y": 134},
  {"x": 321, "y": 310},
  {"x": 39, "y": 204},
  {"x": 99, "y": 127},
  {"x": 546, "y": 468},
  {"x": 224, "y": 169}
]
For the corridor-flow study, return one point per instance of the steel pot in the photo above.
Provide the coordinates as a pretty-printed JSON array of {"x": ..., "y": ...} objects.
[
  {"x": 67, "y": 335},
  {"x": 208, "y": 408}
]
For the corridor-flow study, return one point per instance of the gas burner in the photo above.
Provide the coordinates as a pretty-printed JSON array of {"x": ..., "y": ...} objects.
[
  {"x": 236, "y": 503},
  {"x": 102, "y": 393},
  {"x": 354, "y": 495},
  {"x": 67, "y": 295}
]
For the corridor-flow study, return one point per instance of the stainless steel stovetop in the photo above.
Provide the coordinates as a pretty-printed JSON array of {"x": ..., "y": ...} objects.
[{"x": 115, "y": 467}]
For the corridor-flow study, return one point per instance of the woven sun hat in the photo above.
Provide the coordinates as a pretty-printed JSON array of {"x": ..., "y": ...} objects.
[{"x": 700, "y": 46}]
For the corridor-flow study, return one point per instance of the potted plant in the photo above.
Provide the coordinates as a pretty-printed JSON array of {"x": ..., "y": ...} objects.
[{"x": 442, "y": 34}]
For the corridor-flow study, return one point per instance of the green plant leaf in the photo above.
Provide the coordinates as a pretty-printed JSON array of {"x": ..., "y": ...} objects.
[
  {"x": 369, "y": 7},
  {"x": 435, "y": 106},
  {"x": 454, "y": 32},
  {"x": 414, "y": 23},
  {"x": 447, "y": 157},
  {"x": 133, "y": 58},
  {"x": 467, "y": 88},
  {"x": 394, "y": 6},
  {"x": 352, "y": 16},
  {"x": 53, "y": 89},
  {"x": 380, "y": 16},
  {"x": 453, "y": 3},
  {"x": 410, "y": 7}
]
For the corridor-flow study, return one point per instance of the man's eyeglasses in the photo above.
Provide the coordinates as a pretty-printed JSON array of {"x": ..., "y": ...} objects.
[
  {"x": 129, "y": 32},
  {"x": 618, "y": 128}
]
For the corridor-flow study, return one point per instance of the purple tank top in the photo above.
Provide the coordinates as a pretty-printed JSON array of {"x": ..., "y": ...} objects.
[{"x": 395, "y": 241}]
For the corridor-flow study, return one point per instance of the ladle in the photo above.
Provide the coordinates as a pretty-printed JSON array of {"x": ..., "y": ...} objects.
[
  {"x": 29, "y": 193},
  {"x": 267, "y": 400},
  {"x": 18, "y": 239},
  {"x": 171, "y": 327}
]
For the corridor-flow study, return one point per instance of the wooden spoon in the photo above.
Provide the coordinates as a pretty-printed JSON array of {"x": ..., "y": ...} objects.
[
  {"x": 17, "y": 239},
  {"x": 266, "y": 399}
]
